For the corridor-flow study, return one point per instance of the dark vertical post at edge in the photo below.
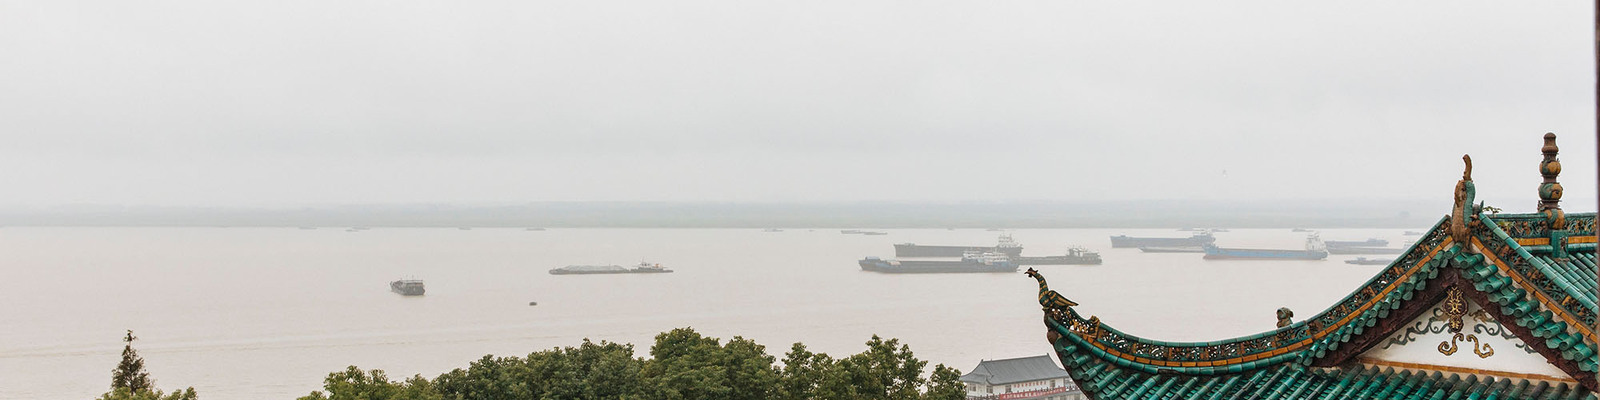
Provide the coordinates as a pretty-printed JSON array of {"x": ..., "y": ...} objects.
[{"x": 1596, "y": 49}]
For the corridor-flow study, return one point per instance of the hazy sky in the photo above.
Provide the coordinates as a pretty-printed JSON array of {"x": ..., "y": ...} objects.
[{"x": 312, "y": 102}]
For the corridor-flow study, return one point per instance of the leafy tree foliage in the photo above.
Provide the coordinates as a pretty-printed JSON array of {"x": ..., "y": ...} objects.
[
  {"x": 130, "y": 381},
  {"x": 130, "y": 372},
  {"x": 684, "y": 365},
  {"x": 355, "y": 384},
  {"x": 129, "y": 394},
  {"x": 690, "y": 366}
]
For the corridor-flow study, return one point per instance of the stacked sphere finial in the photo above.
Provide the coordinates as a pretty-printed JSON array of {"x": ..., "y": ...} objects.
[{"x": 1550, "y": 168}]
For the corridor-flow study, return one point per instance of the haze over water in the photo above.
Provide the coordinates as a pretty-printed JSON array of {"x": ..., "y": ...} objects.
[{"x": 266, "y": 313}]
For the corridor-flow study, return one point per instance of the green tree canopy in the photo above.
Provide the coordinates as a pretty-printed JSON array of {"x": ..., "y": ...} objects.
[{"x": 684, "y": 365}]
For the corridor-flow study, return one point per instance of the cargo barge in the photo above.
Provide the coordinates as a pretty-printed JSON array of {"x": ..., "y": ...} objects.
[
  {"x": 1370, "y": 242},
  {"x": 1315, "y": 250},
  {"x": 969, "y": 263},
  {"x": 1198, "y": 239},
  {"x": 1369, "y": 261},
  {"x": 1151, "y": 249},
  {"x": 1074, "y": 256},
  {"x": 1006, "y": 245},
  {"x": 642, "y": 268}
]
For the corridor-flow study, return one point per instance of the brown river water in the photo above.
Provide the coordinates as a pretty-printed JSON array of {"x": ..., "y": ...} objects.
[{"x": 266, "y": 313}]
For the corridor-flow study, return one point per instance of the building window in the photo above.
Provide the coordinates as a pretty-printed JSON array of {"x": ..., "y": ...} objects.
[{"x": 1008, "y": 388}]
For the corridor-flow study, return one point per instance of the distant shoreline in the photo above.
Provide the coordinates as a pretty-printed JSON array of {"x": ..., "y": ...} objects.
[{"x": 1014, "y": 215}]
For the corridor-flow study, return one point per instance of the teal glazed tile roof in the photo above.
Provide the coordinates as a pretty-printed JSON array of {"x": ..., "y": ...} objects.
[
  {"x": 1025, "y": 369},
  {"x": 1518, "y": 278}
]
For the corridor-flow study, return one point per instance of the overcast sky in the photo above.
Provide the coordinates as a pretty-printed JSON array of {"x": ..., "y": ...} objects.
[{"x": 317, "y": 102}]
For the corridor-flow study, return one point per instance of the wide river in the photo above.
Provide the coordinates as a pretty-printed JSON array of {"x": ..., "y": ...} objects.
[{"x": 267, "y": 313}]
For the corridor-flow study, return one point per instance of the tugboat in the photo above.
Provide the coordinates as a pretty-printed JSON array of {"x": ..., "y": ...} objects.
[
  {"x": 408, "y": 287},
  {"x": 972, "y": 261},
  {"x": 642, "y": 268},
  {"x": 1315, "y": 250},
  {"x": 1075, "y": 256}
]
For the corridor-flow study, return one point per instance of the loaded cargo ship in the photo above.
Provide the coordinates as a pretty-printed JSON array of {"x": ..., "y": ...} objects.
[
  {"x": 970, "y": 262},
  {"x": 1074, "y": 256},
  {"x": 642, "y": 268},
  {"x": 1121, "y": 241},
  {"x": 1006, "y": 245},
  {"x": 1314, "y": 251}
]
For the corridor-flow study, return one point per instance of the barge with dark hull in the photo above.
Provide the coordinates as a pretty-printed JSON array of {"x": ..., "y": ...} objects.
[
  {"x": 1006, "y": 245},
  {"x": 1198, "y": 239},
  {"x": 642, "y": 268},
  {"x": 970, "y": 263},
  {"x": 408, "y": 287}
]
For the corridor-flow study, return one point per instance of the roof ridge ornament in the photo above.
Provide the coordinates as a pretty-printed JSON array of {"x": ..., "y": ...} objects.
[
  {"x": 1550, "y": 197},
  {"x": 1550, "y": 190},
  {"x": 1052, "y": 302},
  {"x": 1459, "y": 215}
]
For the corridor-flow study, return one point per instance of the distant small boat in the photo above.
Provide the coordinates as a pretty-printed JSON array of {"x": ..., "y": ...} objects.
[
  {"x": 533, "y": 303},
  {"x": 408, "y": 287},
  {"x": 1178, "y": 249},
  {"x": 1369, "y": 261}
]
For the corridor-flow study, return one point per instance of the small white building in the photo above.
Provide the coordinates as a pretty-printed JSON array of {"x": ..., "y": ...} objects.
[{"x": 1026, "y": 378}]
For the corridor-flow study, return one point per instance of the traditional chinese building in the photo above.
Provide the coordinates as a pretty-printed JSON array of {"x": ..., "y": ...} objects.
[
  {"x": 1027, "y": 378},
  {"x": 1484, "y": 306}
]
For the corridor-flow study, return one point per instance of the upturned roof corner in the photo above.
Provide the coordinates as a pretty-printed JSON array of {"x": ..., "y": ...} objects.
[{"x": 1531, "y": 273}]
